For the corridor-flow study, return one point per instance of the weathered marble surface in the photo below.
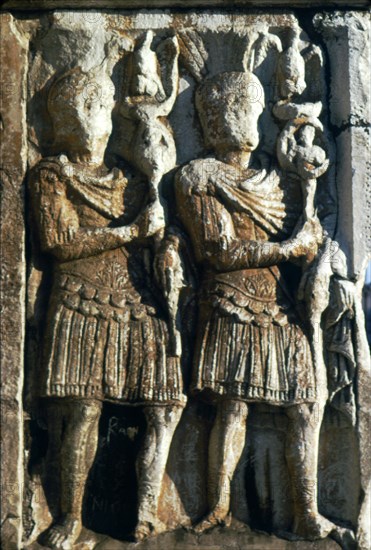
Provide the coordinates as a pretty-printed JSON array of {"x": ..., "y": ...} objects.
[
  {"x": 344, "y": 461},
  {"x": 237, "y": 537},
  {"x": 137, "y": 4},
  {"x": 13, "y": 274}
]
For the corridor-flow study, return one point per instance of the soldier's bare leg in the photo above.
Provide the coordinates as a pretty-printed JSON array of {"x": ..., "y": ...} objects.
[
  {"x": 79, "y": 440},
  {"x": 227, "y": 441},
  {"x": 302, "y": 457},
  {"x": 302, "y": 442},
  {"x": 151, "y": 464},
  {"x": 51, "y": 478}
]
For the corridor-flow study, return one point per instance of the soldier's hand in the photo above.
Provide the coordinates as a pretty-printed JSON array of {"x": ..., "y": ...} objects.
[
  {"x": 151, "y": 220},
  {"x": 306, "y": 241}
]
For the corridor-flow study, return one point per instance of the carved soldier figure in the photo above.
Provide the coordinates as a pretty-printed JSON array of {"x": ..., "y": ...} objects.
[
  {"x": 105, "y": 338},
  {"x": 246, "y": 225}
]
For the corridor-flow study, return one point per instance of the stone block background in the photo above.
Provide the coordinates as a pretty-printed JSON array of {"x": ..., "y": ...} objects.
[{"x": 37, "y": 43}]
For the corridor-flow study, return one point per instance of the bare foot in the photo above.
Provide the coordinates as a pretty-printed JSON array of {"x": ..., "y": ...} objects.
[
  {"x": 62, "y": 534},
  {"x": 146, "y": 529},
  {"x": 212, "y": 520},
  {"x": 313, "y": 527}
]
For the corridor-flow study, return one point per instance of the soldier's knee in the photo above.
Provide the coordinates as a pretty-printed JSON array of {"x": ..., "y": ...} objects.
[
  {"x": 232, "y": 410},
  {"x": 307, "y": 413},
  {"x": 297, "y": 412},
  {"x": 87, "y": 411},
  {"x": 163, "y": 415},
  {"x": 156, "y": 415}
]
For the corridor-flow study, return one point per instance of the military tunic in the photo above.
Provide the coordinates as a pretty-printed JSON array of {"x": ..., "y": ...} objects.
[
  {"x": 251, "y": 343},
  {"x": 106, "y": 336}
]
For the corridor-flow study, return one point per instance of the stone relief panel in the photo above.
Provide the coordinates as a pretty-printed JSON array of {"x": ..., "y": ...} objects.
[{"x": 193, "y": 331}]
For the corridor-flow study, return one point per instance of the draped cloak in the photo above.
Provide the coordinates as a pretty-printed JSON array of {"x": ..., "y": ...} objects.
[{"x": 251, "y": 343}]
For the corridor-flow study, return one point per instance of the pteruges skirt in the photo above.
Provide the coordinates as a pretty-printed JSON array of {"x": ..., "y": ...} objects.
[
  {"x": 251, "y": 361},
  {"x": 103, "y": 352}
]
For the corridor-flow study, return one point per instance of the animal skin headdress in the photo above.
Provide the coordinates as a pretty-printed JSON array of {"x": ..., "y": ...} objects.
[
  {"x": 66, "y": 87},
  {"x": 245, "y": 85},
  {"x": 207, "y": 54},
  {"x": 222, "y": 66}
]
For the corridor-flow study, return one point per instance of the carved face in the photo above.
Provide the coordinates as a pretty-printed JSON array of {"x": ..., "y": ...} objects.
[
  {"x": 307, "y": 135},
  {"x": 229, "y": 106},
  {"x": 81, "y": 107},
  {"x": 154, "y": 149}
]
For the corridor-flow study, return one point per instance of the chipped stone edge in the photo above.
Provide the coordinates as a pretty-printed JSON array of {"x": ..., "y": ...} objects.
[
  {"x": 13, "y": 163},
  {"x": 347, "y": 38},
  {"x": 329, "y": 36},
  {"x": 30, "y": 5}
]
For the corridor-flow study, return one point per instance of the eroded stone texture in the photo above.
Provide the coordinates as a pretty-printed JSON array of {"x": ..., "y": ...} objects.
[
  {"x": 191, "y": 238},
  {"x": 13, "y": 269},
  {"x": 238, "y": 537},
  {"x": 347, "y": 38},
  {"x": 148, "y": 4}
]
